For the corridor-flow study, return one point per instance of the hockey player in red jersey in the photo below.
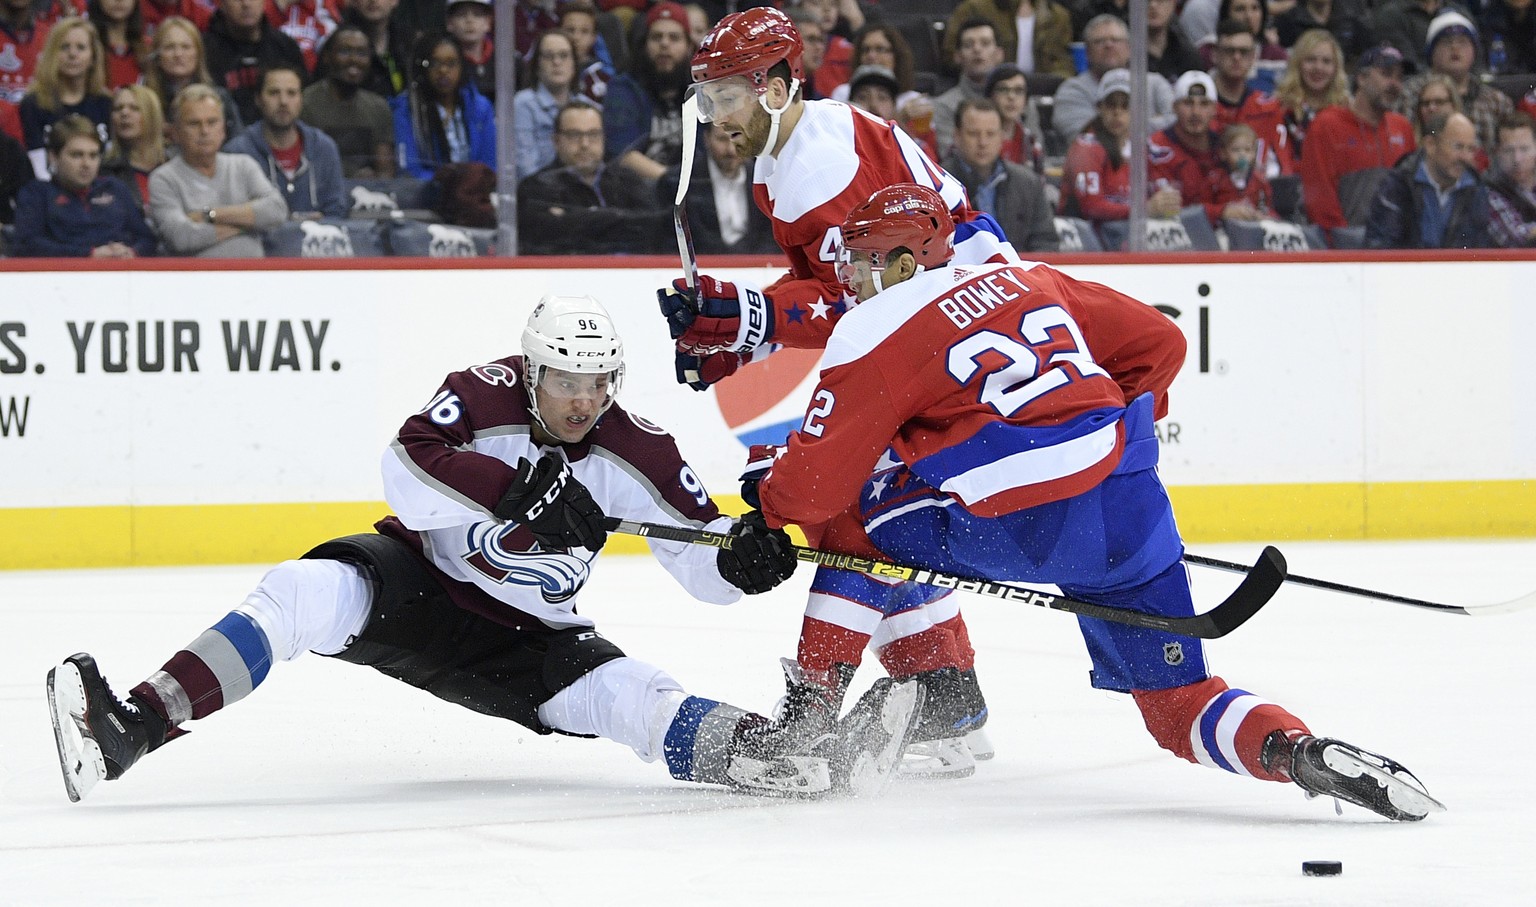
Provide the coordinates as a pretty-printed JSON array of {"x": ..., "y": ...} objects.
[
  {"x": 815, "y": 161},
  {"x": 500, "y": 485},
  {"x": 995, "y": 421}
]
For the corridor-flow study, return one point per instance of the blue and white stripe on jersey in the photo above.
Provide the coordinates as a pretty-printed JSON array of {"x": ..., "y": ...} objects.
[
  {"x": 1004, "y": 456},
  {"x": 1213, "y": 734}
]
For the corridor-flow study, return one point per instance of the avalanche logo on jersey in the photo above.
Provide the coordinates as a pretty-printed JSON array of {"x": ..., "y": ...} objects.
[
  {"x": 558, "y": 575},
  {"x": 765, "y": 401}
]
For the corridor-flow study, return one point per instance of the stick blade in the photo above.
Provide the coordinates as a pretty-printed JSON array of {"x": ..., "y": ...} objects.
[{"x": 1260, "y": 584}]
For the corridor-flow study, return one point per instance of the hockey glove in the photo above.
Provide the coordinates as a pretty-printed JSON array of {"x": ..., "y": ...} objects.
[
  {"x": 760, "y": 459},
  {"x": 556, "y": 508},
  {"x": 699, "y": 372},
  {"x": 759, "y": 558},
  {"x": 720, "y": 316}
]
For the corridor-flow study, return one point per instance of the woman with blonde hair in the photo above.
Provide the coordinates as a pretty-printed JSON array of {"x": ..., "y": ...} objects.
[
  {"x": 176, "y": 60},
  {"x": 137, "y": 145},
  {"x": 70, "y": 78},
  {"x": 1314, "y": 78}
]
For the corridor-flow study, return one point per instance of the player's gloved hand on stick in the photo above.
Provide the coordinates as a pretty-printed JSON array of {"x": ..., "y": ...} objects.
[
  {"x": 759, "y": 558},
  {"x": 760, "y": 459},
  {"x": 556, "y": 508},
  {"x": 719, "y": 316},
  {"x": 699, "y": 372}
]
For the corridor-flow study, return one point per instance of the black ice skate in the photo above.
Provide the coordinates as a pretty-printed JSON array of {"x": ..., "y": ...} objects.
[
  {"x": 1325, "y": 767},
  {"x": 98, "y": 737},
  {"x": 787, "y": 755},
  {"x": 949, "y": 739},
  {"x": 872, "y": 737}
]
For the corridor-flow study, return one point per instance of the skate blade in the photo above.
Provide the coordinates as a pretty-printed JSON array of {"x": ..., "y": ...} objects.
[
  {"x": 936, "y": 760},
  {"x": 874, "y": 768},
  {"x": 812, "y": 776},
  {"x": 80, "y": 758},
  {"x": 1404, "y": 793}
]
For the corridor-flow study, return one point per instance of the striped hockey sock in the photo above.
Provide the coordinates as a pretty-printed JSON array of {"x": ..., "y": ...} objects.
[
  {"x": 221, "y": 666},
  {"x": 1214, "y": 725}
]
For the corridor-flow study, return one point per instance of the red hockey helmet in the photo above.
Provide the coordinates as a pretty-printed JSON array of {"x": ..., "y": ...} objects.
[
  {"x": 905, "y": 215},
  {"x": 748, "y": 44}
]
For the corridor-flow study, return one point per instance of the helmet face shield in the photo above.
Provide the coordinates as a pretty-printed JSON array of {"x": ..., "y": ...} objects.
[
  {"x": 559, "y": 384},
  {"x": 853, "y": 271},
  {"x": 720, "y": 98}
]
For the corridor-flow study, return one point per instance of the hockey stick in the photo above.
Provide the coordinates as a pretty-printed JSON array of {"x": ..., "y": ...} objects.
[
  {"x": 1527, "y": 600},
  {"x": 679, "y": 206},
  {"x": 1256, "y": 589}
]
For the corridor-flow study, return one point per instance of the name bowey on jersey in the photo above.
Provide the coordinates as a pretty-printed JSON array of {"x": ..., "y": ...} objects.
[{"x": 450, "y": 464}]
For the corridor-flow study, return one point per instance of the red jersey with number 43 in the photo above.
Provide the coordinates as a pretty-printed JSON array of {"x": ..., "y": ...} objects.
[
  {"x": 836, "y": 158},
  {"x": 1001, "y": 385}
]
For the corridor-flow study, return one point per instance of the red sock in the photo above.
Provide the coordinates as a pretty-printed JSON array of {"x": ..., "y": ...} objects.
[
  {"x": 823, "y": 644},
  {"x": 927, "y": 650},
  {"x": 1210, "y": 724}
]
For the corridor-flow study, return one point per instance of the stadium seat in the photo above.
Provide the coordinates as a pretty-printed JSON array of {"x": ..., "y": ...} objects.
[
  {"x": 413, "y": 238},
  {"x": 1190, "y": 232},
  {"x": 1266, "y": 236},
  {"x": 1077, "y": 235},
  {"x": 408, "y": 192},
  {"x": 1348, "y": 237},
  {"x": 325, "y": 238},
  {"x": 1286, "y": 191}
]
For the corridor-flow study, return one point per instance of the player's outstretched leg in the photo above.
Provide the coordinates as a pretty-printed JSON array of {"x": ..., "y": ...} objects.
[
  {"x": 98, "y": 737},
  {"x": 1325, "y": 767}
]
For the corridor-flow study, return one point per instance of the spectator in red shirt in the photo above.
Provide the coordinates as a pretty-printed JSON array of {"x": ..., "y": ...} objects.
[
  {"x": 1096, "y": 179},
  {"x": 10, "y": 120},
  {"x": 307, "y": 22},
  {"x": 1008, "y": 88},
  {"x": 1236, "y": 102},
  {"x": 1350, "y": 148},
  {"x": 1183, "y": 155},
  {"x": 1314, "y": 79},
  {"x": 121, "y": 27},
  {"x": 1239, "y": 188},
  {"x": 21, "y": 39}
]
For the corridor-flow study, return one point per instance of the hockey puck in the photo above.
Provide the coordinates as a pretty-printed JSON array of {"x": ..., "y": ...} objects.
[{"x": 1322, "y": 868}]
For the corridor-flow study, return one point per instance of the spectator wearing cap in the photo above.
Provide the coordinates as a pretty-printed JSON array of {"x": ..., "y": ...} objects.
[
  {"x": 469, "y": 23},
  {"x": 1108, "y": 45},
  {"x": 1349, "y": 148},
  {"x": 1184, "y": 155},
  {"x": 1013, "y": 194},
  {"x": 1238, "y": 102},
  {"x": 1008, "y": 88},
  {"x": 1045, "y": 24},
  {"x": 79, "y": 213},
  {"x": 642, "y": 114},
  {"x": 240, "y": 43},
  {"x": 874, "y": 89},
  {"x": 1096, "y": 178},
  {"x": 1452, "y": 51},
  {"x": 1509, "y": 29},
  {"x": 1433, "y": 198},
  {"x": 1404, "y": 24}
]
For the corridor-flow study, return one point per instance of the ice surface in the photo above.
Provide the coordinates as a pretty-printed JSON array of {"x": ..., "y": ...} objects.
[{"x": 333, "y": 784}]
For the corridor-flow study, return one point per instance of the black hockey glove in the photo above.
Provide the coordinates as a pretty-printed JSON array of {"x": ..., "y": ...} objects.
[
  {"x": 556, "y": 508},
  {"x": 759, "y": 558}
]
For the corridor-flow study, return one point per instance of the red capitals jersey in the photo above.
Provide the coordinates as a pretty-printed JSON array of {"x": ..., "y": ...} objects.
[
  {"x": 448, "y": 467},
  {"x": 1090, "y": 186},
  {"x": 836, "y": 158},
  {"x": 18, "y": 59},
  {"x": 1172, "y": 163},
  {"x": 1001, "y": 385},
  {"x": 198, "y": 12},
  {"x": 1266, "y": 116},
  {"x": 307, "y": 22},
  {"x": 1225, "y": 189}
]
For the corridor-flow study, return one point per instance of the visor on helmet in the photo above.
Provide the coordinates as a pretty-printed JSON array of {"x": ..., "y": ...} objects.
[
  {"x": 562, "y": 385},
  {"x": 720, "y": 98}
]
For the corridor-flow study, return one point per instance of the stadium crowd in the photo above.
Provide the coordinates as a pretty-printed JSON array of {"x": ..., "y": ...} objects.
[{"x": 319, "y": 127}]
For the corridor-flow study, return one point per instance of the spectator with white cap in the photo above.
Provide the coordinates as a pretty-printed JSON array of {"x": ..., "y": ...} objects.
[
  {"x": 1451, "y": 47},
  {"x": 1404, "y": 24},
  {"x": 1185, "y": 154}
]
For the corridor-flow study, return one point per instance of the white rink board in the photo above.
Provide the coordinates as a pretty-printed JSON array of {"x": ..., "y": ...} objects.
[{"x": 1315, "y": 372}]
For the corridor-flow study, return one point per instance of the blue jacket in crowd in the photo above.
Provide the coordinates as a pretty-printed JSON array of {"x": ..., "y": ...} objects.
[
  {"x": 316, "y": 186},
  {"x": 1407, "y": 214},
  {"x": 479, "y": 123},
  {"x": 52, "y": 222}
]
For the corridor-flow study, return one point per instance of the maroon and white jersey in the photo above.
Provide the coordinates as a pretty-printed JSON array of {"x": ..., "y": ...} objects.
[
  {"x": 451, "y": 463},
  {"x": 836, "y": 158}
]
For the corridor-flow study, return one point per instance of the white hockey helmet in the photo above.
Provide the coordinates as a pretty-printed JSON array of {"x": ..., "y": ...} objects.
[{"x": 571, "y": 334}]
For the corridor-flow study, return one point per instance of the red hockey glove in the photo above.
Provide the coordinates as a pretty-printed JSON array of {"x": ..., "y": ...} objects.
[{"x": 720, "y": 316}]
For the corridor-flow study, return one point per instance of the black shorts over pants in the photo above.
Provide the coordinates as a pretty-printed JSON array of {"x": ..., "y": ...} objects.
[{"x": 416, "y": 634}]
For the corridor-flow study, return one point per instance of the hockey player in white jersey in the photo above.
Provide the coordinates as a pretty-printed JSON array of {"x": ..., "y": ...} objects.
[{"x": 500, "y": 486}]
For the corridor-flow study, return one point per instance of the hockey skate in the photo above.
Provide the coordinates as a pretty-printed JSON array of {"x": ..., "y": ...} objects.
[
  {"x": 787, "y": 755},
  {"x": 1325, "y": 767},
  {"x": 872, "y": 737},
  {"x": 98, "y": 737},
  {"x": 949, "y": 739}
]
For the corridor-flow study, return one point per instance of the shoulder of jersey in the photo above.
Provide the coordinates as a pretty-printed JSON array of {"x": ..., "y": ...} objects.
[
  {"x": 826, "y": 160},
  {"x": 871, "y": 323}
]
